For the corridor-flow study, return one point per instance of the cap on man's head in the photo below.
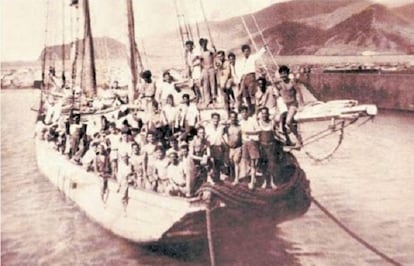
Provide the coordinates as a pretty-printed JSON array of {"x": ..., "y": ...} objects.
[{"x": 189, "y": 42}]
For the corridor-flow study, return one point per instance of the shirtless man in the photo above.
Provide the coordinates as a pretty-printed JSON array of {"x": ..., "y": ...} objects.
[
  {"x": 224, "y": 79},
  {"x": 288, "y": 92},
  {"x": 208, "y": 74},
  {"x": 270, "y": 148},
  {"x": 233, "y": 138}
]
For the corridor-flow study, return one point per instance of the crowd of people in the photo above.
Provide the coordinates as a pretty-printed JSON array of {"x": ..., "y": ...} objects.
[{"x": 167, "y": 147}]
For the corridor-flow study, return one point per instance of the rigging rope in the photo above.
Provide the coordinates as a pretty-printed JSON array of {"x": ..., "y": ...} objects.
[
  {"x": 353, "y": 234},
  {"x": 257, "y": 49},
  {"x": 206, "y": 22},
  {"x": 179, "y": 24},
  {"x": 329, "y": 155},
  {"x": 264, "y": 40},
  {"x": 77, "y": 45},
  {"x": 327, "y": 132},
  {"x": 41, "y": 102}
]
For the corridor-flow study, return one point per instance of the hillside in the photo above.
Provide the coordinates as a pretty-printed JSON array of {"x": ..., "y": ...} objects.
[
  {"x": 327, "y": 28},
  {"x": 406, "y": 11},
  {"x": 376, "y": 28},
  {"x": 104, "y": 47}
]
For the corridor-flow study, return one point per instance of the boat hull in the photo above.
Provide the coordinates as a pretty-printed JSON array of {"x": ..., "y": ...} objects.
[{"x": 153, "y": 218}]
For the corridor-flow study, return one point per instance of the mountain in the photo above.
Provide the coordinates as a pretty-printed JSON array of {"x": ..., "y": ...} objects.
[
  {"x": 375, "y": 28},
  {"x": 343, "y": 27},
  {"x": 104, "y": 47},
  {"x": 406, "y": 11}
]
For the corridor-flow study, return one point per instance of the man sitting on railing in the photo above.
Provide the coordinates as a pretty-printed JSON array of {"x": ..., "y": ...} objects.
[{"x": 288, "y": 92}]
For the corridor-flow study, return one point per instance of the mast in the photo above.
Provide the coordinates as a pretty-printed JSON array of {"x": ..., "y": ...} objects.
[
  {"x": 63, "y": 46},
  {"x": 134, "y": 53},
  {"x": 89, "y": 38}
]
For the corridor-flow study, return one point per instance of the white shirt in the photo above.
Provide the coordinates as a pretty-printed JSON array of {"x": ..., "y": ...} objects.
[
  {"x": 248, "y": 65},
  {"x": 170, "y": 113},
  {"x": 163, "y": 90},
  {"x": 249, "y": 125},
  {"x": 176, "y": 174},
  {"x": 189, "y": 113},
  {"x": 215, "y": 135},
  {"x": 124, "y": 170},
  {"x": 194, "y": 63}
]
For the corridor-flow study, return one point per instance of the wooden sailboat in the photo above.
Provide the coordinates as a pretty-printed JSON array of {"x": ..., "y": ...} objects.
[{"x": 150, "y": 217}]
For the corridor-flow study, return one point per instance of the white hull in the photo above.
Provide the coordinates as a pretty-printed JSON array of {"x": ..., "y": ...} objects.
[{"x": 148, "y": 216}]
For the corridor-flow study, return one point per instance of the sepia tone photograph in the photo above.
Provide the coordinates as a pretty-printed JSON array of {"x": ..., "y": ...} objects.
[{"x": 207, "y": 132}]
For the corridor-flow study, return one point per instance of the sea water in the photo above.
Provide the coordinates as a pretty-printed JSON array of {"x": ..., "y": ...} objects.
[{"x": 368, "y": 185}]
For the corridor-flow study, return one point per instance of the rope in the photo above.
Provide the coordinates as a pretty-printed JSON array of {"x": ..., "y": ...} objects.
[
  {"x": 328, "y": 156},
  {"x": 181, "y": 33},
  {"x": 264, "y": 40},
  {"x": 327, "y": 132},
  {"x": 206, "y": 22},
  {"x": 41, "y": 102},
  {"x": 353, "y": 234},
  {"x": 257, "y": 49}
]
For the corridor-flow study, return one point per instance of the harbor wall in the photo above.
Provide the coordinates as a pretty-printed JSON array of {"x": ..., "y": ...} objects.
[{"x": 386, "y": 90}]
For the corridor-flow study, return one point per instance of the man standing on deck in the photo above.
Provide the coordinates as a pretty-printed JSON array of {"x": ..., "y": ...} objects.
[
  {"x": 193, "y": 67},
  {"x": 214, "y": 134},
  {"x": 250, "y": 146},
  {"x": 125, "y": 173},
  {"x": 224, "y": 79},
  {"x": 208, "y": 74},
  {"x": 248, "y": 76},
  {"x": 233, "y": 139}
]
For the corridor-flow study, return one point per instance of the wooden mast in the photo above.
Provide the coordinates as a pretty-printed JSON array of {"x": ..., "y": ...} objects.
[
  {"x": 89, "y": 38},
  {"x": 133, "y": 50}
]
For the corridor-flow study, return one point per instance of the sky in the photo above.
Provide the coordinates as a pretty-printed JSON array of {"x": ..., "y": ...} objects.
[{"x": 23, "y": 22}]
